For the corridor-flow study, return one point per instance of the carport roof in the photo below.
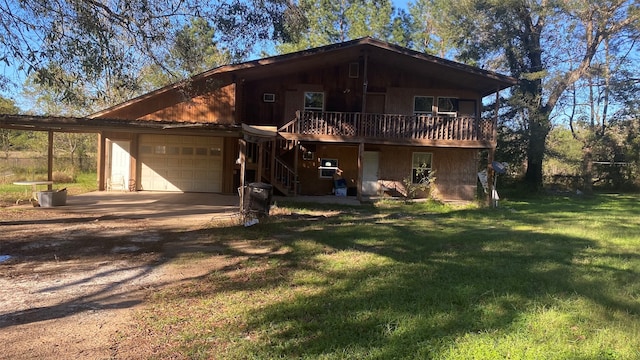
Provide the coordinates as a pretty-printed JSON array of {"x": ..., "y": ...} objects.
[{"x": 87, "y": 125}]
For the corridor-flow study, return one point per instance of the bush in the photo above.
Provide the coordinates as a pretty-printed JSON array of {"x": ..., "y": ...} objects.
[{"x": 63, "y": 177}]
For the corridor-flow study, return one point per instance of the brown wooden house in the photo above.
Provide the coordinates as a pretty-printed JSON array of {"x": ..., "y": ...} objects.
[{"x": 370, "y": 110}]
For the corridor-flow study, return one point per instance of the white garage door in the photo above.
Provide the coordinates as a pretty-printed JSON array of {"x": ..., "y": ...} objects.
[{"x": 181, "y": 163}]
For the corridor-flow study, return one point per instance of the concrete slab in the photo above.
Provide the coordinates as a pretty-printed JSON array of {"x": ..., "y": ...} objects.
[{"x": 154, "y": 205}]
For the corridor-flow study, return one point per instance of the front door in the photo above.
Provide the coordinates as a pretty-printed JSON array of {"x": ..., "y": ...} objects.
[
  {"x": 120, "y": 163},
  {"x": 370, "y": 173}
]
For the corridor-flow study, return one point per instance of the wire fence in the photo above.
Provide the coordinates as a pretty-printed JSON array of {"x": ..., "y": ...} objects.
[{"x": 30, "y": 167}]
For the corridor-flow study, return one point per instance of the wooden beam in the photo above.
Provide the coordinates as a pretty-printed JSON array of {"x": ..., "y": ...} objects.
[
  {"x": 242, "y": 156},
  {"x": 101, "y": 162},
  {"x": 50, "y": 160},
  {"x": 260, "y": 161},
  {"x": 467, "y": 144},
  {"x": 360, "y": 170},
  {"x": 296, "y": 147}
]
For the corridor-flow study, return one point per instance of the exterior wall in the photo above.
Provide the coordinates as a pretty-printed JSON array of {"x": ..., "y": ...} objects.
[
  {"x": 396, "y": 89},
  {"x": 308, "y": 173},
  {"x": 214, "y": 103},
  {"x": 455, "y": 170},
  {"x": 215, "y": 107}
]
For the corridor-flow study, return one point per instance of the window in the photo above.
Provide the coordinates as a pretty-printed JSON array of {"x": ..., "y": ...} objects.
[
  {"x": 313, "y": 101},
  {"x": 447, "y": 106},
  {"x": 328, "y": 167},
  {"x": 269, "y": 97},
  {"x": 354, "y": 70},
  {"x": 420, "y": 167},
  {"x": 423, "y": 105}
]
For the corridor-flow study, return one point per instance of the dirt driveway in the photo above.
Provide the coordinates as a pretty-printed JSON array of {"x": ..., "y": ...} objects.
[{"x": 70, "y": 277}]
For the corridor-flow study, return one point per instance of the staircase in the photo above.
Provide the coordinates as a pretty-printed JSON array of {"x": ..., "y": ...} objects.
[{"x": 275, "y": 170}]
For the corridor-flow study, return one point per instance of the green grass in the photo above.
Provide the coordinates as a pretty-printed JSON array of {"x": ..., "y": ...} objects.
[
  {"x": 84, "y": 182},
  {"x": 549, "y": 278}
]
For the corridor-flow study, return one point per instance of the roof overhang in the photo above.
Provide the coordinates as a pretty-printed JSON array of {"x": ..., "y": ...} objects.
[{"x": 86, "y": 125}]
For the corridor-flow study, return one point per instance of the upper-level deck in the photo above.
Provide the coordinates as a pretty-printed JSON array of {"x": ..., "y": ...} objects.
[{"x": 424, "y": 130}]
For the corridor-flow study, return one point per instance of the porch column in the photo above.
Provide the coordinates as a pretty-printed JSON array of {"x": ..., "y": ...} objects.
[
  {"x": 260, "y": 161},
  {"x": 272, "y": 176},
  {"x": 50, "y": 160},
  {"x": 242, "y": 149},
  {"x": 360, "y": 170},
  {"x": 296, "y": 146},
  {"x": 492, "y": 153},
  {"x": 101, "y": 162}
]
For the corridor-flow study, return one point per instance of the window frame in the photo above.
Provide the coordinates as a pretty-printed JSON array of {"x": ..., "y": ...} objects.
[
  {"x": 414, "y": 168},
  {"x": 313, "y": 108},
  {"x": 419, "y": 112},
  {"x": 455, "y": 104},
  {"x": 327, "y": 172}
]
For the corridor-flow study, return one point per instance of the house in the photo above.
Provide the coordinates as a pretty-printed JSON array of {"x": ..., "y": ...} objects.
[{"x": 374, "y": 113}]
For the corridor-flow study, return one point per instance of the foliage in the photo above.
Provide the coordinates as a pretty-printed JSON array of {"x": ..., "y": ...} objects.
[
  {"x": 324, "y": 22},
  {"x": 563, "y": 153},
  {"x": 7, "y": 106},
  {"x": 552, "y": 278},
  {"x": 425, "y": 185},
  {"x": 549, "y": 46},
  {"x": 71, "y": 44}
]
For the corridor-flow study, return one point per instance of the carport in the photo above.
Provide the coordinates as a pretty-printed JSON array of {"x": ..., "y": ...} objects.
[{"x": 100, "y": 126}]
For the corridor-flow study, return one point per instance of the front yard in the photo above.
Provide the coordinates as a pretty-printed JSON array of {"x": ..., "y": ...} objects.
[{"x": 550, "y": 278}]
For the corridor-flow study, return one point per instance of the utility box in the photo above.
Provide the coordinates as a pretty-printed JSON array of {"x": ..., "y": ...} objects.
[
  {"x": 52, "y": 198},
  {"x": 257, "y": 199}
]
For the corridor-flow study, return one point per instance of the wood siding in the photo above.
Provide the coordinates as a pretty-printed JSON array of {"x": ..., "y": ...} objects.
[
  {"x": 455, "y": 170},
  {"x": 211, "y": 105},
  {"x": 308, "y": 174}
]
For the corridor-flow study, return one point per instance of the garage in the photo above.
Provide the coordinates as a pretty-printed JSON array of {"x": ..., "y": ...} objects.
[{"x": 180, "y": 163}]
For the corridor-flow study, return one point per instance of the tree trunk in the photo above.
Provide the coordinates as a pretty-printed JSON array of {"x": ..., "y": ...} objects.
[
  {"x": 538, "y": 131},
  {"x": 587, "y": 169}
]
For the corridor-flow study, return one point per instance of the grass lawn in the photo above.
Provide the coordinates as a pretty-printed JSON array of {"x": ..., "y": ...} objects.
[
  {"x": 547, "y": 278},
  {"x": 85, "y": 182}
]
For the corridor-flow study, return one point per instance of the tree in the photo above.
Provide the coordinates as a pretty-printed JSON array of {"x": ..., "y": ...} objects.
[
  {"x": 7, "y": 106},
  {"x": 94, "y": 41},
  {"x": 324, "y": 22},
  {"x": 194, "y": 50},
  {"x": 535, "y": 41}
]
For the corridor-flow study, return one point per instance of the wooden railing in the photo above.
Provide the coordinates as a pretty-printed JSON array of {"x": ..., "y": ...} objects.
[
  {"x": 394, "y": 127},
  {"x": 284, "y": 177}
]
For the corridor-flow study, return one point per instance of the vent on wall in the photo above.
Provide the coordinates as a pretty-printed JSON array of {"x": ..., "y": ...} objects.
[
  {"x": 269, "y": 97},
  {"x": 354, "y": 70}
]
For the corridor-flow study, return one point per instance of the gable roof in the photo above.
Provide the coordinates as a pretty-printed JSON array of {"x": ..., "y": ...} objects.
[{"x": 461, "y": 75}]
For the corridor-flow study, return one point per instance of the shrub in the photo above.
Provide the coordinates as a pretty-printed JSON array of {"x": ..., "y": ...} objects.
[{"x": 63, "y": 177}]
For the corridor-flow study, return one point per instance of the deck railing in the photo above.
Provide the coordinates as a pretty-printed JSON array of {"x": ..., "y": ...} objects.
[{"x": 392, "y": 127}]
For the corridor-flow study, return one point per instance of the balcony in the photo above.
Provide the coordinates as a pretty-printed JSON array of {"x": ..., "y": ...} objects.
[{"x": 391, "y": 129}]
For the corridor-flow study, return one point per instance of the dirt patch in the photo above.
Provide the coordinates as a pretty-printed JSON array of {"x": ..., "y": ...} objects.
[{"x": 69, "y": 282}]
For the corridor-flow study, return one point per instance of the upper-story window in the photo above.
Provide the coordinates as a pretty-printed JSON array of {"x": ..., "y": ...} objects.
[
  {"x": 447, "y": 106},
  {"x": 313, "y": 101},
  {"x": 423, "y": 105}
]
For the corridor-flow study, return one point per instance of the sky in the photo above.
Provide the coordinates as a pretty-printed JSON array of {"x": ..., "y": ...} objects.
[{"x": 14, "y": 91}]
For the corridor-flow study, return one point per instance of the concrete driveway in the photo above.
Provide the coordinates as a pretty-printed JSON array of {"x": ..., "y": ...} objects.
[{"x": 160, "y": 206}]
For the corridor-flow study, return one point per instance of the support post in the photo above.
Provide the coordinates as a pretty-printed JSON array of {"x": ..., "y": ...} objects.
[
  {"x": 272, "y": 175},
  {"x": 296, "y": 146},
  {"x": 260, "y": 161},
  {"x": 101, "y": 162},
  {"x": 242, "y": 149},
  {"x": 360, "y": 169},
  {"x": 50, "y": 160}
]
